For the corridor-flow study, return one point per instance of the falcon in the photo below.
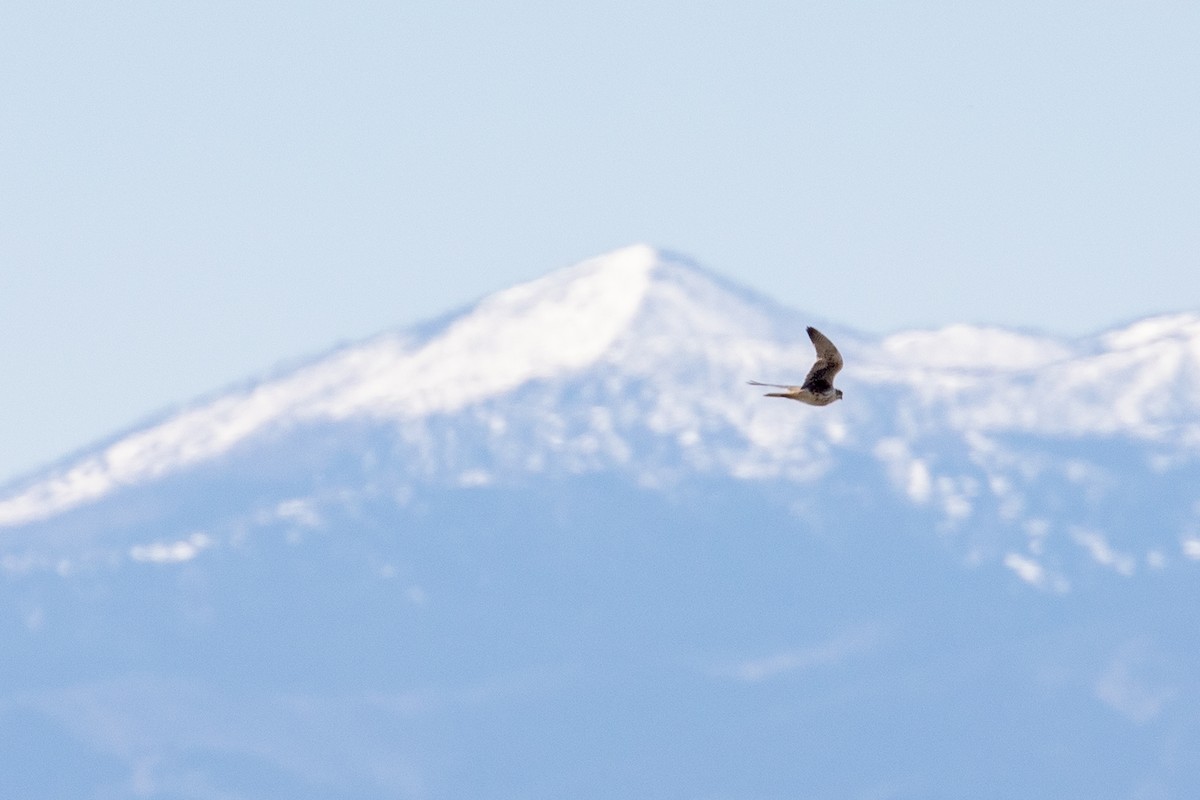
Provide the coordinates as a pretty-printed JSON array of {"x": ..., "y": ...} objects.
[{"x": 817, "y": 389}]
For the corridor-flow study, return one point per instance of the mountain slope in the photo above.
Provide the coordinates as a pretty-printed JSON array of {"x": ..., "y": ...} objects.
[
  {"x": 636, "y": 363},
  {"x": 554, "y": 546}
]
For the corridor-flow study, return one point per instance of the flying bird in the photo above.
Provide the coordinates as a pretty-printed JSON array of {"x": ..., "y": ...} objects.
[{"x": 817, "y": 389}]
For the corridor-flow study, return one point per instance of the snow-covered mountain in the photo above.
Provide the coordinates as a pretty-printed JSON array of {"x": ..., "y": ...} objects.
[
  {"x": 635, "y": 363},
  {"x": 563, "y": 514}
]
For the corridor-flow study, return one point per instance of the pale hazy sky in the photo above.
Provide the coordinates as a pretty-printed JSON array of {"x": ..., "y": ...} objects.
[{"x": 193, "y": 192}]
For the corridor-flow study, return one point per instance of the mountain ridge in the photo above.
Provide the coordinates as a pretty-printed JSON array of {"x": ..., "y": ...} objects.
[
  {"x": 368, "y": 370},
  {"x": 635, "y": 362},
  {"x": 543, "y": 562}
]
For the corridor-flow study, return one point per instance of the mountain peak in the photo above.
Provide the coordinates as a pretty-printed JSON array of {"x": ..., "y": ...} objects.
[
  {"x": 636, "y": 360},
  {"x": 556, "y": 324},
  {"x": 1153, "y": 330}
]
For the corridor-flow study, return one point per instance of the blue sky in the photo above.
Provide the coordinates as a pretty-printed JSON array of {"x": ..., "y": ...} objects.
[{"x": 193, "y": 192}]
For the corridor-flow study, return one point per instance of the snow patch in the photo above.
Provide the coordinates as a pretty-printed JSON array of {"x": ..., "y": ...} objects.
[
  {"x": 1124, "y": 688},
  {"x": 171, "y": 552},
  {"x": 908, "y": 473},
  {"x": 299, "y": 511},
  {"x": 1191, "y": 548},
  {"x": 1154, "y": 330},
  {"x": 1032, "y": 572},
  {"x": 830, "y": 653},
  {"x": 964, "y": 347},
  {"x": 1102, "y": 552},
  {"x": 474, "y": 477},
  {"x": 1026, "y": 568}
]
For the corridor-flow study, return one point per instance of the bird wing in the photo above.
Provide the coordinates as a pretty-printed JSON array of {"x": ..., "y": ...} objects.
[
  {"x": 775, "y": 385},
  {"x": 827, "y": 365}
]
